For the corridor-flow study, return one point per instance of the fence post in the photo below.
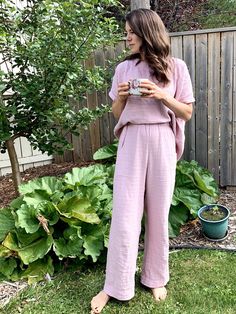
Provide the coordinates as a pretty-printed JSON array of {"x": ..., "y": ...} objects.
[{"x": 137, "y": 4}]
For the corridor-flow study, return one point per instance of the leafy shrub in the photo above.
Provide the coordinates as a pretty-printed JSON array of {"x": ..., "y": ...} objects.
[{"x": 55, "y": 218}]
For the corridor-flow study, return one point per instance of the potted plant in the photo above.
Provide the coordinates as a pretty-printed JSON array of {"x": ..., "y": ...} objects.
[{"x": 214, "y": 220}]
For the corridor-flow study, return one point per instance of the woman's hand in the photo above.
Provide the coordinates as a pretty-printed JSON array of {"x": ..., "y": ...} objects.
[
  {"x": 180, "y": 109},
  {"x": 123, "y": 91},
  {"x": 119, "y": 103},
  {"x": 151, "y": 90}
]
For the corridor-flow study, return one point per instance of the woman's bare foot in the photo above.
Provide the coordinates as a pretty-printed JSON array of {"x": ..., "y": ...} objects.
[
  {"x": 98, "y": 302},
  {"x": 159, "y": 293}
]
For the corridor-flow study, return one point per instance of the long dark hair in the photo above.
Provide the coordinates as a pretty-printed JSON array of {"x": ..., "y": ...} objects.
[{"x": 155, "y": 48}]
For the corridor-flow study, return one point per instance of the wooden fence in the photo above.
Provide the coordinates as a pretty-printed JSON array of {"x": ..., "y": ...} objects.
[{"x": 211, "y": 133}]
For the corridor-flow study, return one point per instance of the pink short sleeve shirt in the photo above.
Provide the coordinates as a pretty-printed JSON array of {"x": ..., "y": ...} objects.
[{"x": 140, "y": 110}]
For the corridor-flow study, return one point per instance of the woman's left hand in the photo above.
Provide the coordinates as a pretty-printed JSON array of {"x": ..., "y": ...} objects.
[
  {"x": 152, "y": 90},
  {"x": 180, "y": 109}
]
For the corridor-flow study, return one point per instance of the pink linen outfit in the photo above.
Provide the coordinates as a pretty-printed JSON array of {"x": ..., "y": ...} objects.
[{"x": 150, "y": 141}]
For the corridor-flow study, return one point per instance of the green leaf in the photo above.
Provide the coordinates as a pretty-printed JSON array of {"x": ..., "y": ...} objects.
[
  {"x": 70, "y": 245},
  {"x": 86, "y": 176},
  {"x": 27, "y": 218},
  {"x": 5, "y": 252},
  {"x": 37, "y": 270},
  {"x": 36, "y": 197},
  {"x": 29, "y": 253},
  {"x": 106, "y": 152},
  {"x": 17, "y": 202},
  {"x": 47, "y": 184},
  {"x": 7, "y": 222},
  {"x": 94, "y": 237},
  {"x": 93, "y": 246},
  {"x": 11, "y": 242},
  {"x": 35, "y": 250},
  {"x": 178, "y": 216},
  {"x": 206, "y": 182},
  {"x": 7, "y": 266},
  {"x": 75, "y": 207},
  {"x": 24, "y": 238},
  {"x": 207, "y": 199},
  {"x": 49, "y": 212},
  {"x": 190, "y": 198}
]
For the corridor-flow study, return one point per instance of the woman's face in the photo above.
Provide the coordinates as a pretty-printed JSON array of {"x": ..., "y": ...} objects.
[{"x": 134, "y": 42}]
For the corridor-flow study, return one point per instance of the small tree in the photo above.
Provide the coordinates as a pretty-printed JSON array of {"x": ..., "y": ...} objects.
[{"x": 43, "y": 46}]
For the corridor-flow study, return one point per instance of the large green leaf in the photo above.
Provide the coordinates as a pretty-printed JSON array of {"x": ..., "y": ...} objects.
[
  {"x": 24, "y": 238},
  {"x": 70, "y": 245},
  {"x": 7, "y": 222},
  {"x": 106, "y": 152},
  {"x": 191, "y": 173},
  {"x": 86, "y": 176},
  {"x": 27, "y": 218},
  {"x": 48, "y": 211},
  {"x": 36, "y": 197},
  {"x": 47, "y": 184},
  {"x": 11, "y": 242},
  {"x": 94, "y": 239},
  {"x": 35, "y": 250},
  {"x": 7, "y": 266},
  {"x": 190, "y": 198},
  {"x": 178, "y": 216},
  {"x": 17, "y": 202},
  {"x": 29, "y": 253},
  {"x": 81, "y": 209},
  {"x": 206, "y": 182},
  {"x": 93, "y": 246},
  {"x": 207, "y": 199},
  {"x": 5, "y": 252},
  {"x": 38, "y": 270}
]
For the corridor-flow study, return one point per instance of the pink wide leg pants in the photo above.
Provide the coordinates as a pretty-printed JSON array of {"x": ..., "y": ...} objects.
[{"x": 144, "y": 179}]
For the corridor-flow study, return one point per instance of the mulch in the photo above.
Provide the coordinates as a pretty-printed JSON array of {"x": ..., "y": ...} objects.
[{"x": 190, "y": 236}]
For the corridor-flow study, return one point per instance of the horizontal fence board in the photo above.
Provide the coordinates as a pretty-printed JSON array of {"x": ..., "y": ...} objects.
[{"x": 26, "y": 160}]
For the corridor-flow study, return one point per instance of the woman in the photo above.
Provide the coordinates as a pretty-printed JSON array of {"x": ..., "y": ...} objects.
[{"x": 150, "y": 132}]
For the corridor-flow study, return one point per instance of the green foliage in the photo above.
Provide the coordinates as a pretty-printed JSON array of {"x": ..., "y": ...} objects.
[
  {"x": 107, "y": 152},
  {"x": 56, "y": 218},
  {"x": 194, "y": 187},
  {"x": 217, "y": 13},
  {"x": 44, "y": 45}
]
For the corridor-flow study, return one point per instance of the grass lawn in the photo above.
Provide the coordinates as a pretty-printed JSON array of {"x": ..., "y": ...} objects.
[{"x": 202, "y": 281}]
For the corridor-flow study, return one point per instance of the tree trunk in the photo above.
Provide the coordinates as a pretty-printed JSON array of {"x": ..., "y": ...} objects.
[
  {"x": 14, "y": 164},
  {"x": 137, "y": 4}
]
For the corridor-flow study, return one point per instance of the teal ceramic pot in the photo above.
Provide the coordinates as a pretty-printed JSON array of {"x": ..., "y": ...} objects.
[{"x": 214, "y": 229}]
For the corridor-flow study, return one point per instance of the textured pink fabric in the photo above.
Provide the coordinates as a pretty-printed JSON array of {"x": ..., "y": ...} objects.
[
  {"x": 139, "y": 110},
  {"x": 144, "y": 178}
]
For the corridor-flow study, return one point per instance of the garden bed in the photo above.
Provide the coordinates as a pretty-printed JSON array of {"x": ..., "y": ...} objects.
[
  {"x": 190, "y": 233},
  {"x": 190, "y": 236}
]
